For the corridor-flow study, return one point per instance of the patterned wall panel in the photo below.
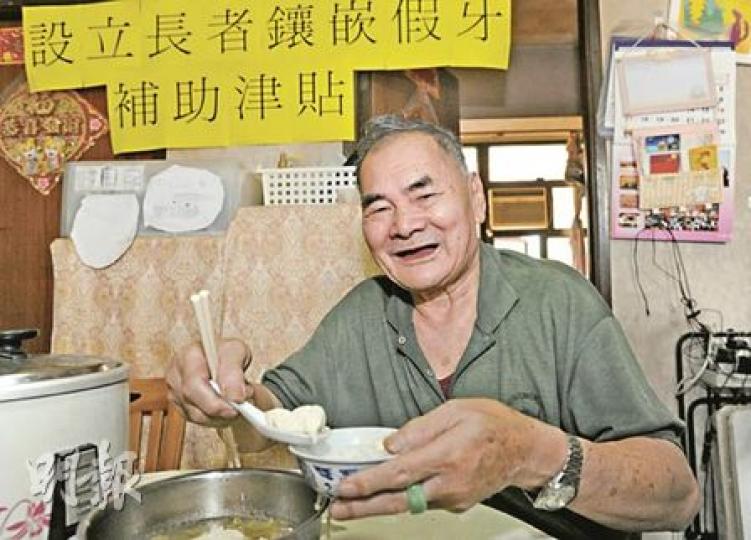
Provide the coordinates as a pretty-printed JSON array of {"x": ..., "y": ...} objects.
[{"x": 272, "y": 278}]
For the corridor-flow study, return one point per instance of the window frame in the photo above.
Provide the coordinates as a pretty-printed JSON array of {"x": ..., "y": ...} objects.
[{"x": 482, "y": 134}]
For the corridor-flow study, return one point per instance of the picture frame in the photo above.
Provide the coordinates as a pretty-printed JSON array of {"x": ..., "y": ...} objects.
[{"x": 666, "y": 80}]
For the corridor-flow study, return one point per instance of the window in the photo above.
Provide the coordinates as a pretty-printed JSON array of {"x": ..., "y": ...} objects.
[
  {"x": 536, "y": 200},
  {"x": 514, "y": 162}
]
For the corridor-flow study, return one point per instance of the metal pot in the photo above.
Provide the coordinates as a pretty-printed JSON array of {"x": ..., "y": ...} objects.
[
  {"x": 61, "y": 417},
  {"x": 180, "y": 501}
]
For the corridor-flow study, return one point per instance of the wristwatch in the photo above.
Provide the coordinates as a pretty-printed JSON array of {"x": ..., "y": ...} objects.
[{"x": 562, "y": 489}]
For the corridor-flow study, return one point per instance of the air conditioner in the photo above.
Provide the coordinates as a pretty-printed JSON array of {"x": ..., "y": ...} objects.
[{"x": 513, "y": 208}]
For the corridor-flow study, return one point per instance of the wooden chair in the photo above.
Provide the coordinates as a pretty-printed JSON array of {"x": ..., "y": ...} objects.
[{"x": 166, "y": 426}]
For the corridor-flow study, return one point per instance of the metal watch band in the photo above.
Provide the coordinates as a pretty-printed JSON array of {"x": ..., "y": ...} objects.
[
  {"x": 563, "y": 487},
  {"x": 571, "y": 472}
]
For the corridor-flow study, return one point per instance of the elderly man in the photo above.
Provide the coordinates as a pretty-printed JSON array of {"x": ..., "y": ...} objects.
[{"x": 502, "y": 371}]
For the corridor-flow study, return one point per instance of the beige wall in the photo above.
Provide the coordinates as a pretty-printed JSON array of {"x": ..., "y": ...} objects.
[{"x": 719, "y": 274}]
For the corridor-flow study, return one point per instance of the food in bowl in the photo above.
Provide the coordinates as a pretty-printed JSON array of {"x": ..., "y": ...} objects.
[{"x": 344, "y": 452}]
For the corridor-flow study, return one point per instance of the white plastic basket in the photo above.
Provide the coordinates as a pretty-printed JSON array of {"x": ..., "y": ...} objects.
[{"x": 306, "y": 185}]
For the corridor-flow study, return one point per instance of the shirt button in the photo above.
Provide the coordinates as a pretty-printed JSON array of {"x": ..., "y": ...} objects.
[
  {"x": 430, "y": 373},
  {"x": 402, "y": 340}
]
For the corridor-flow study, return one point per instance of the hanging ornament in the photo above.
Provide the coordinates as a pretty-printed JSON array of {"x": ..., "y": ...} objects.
[
  {"x": 40, "y": 132},
  {"x": 11, "y": 46}
]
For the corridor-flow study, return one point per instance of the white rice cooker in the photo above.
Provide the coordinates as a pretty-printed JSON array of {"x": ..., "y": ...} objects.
[{"x": 64, "y": 432}]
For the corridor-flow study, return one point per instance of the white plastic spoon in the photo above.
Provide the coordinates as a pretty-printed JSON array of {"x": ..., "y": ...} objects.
[{"x": 257, "y": 417}]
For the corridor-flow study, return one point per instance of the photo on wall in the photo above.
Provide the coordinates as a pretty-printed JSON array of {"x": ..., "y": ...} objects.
[
  {"x": 715, "y": 20},
  {"x": 690, "y": 222}
]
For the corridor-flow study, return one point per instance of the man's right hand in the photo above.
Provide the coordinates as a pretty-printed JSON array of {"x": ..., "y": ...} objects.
[{"x": 188, "y": 381}]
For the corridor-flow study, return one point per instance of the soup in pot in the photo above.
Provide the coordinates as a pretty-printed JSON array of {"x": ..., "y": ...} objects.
[{"x": 230, "y": 528}]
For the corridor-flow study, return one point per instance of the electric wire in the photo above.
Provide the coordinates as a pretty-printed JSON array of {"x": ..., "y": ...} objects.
[{"x": 677, "y": 273}]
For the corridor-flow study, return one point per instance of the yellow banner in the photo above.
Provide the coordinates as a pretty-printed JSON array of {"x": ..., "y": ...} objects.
[
  {"x": 184, "y": 73},
  {"x": 253, "y": 105},
  {"x": 52, "y": 56}
]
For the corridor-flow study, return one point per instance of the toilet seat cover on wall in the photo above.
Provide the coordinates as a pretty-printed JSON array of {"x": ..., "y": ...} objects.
[
  {"x": 104, "y": 227},
  {"x": 181, "y": 199}
]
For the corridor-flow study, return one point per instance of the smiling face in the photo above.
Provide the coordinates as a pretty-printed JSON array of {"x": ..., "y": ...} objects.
[{"x": 420, "y": 213}]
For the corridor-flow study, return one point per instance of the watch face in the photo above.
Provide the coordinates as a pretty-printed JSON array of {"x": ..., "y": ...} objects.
[
  {"x": 563, "y": 495},
  {"x": 555, "y": 499}
]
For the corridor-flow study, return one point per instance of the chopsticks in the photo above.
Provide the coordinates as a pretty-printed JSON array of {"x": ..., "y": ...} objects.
[{"x": 200, "y": 301}]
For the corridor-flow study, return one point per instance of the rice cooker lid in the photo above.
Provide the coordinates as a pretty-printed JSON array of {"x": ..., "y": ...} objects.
[{"x": 24, "y": 376}]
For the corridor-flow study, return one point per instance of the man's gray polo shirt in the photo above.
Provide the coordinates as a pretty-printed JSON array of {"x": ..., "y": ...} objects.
[{"x": 544, "y": 342}]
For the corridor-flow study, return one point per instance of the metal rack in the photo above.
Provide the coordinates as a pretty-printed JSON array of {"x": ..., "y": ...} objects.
[{"x": 714, "y": 389}]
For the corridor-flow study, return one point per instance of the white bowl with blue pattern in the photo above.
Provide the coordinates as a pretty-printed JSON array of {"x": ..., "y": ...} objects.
[{"x": 343, "y": 452}]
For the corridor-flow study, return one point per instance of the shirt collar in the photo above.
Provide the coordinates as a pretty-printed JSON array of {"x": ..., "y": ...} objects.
[
  {"x": 497, "y": 296},
  {"x": 495, "y": 300}
]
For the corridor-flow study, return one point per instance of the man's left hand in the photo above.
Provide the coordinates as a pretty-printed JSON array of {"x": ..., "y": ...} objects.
[{"x": 461, "y": 452}]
